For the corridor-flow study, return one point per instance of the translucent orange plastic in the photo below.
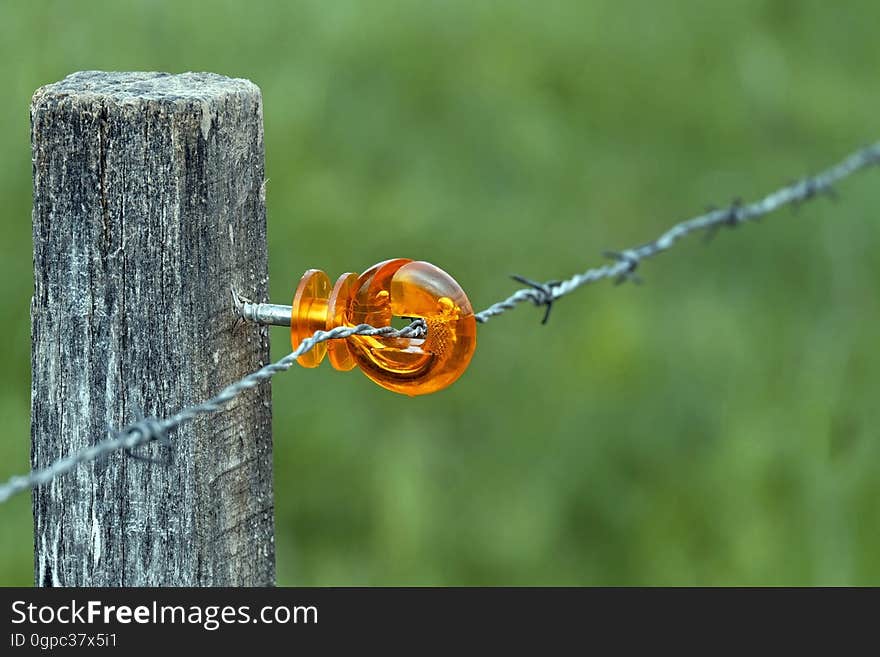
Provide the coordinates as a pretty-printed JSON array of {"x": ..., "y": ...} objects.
[
  {"x": 394, "y": 288},
  {"x": 340, "y": 356}
]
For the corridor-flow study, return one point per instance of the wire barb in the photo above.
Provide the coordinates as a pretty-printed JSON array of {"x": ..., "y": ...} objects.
[
  {"x": 151, "y": 429},
  {"x": 540, "y": 294},
  {"x": 630, "y": 260}
]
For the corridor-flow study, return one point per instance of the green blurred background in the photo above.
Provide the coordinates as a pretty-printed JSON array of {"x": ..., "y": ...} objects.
[{"x": 717, "y": 425}]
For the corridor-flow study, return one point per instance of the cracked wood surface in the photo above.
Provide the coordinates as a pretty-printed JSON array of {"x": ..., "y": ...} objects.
[{"x": 148, "y": 205}]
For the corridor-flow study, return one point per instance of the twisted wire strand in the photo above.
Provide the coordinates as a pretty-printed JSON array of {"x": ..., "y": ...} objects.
[
  {"x": 540, "y": 294},
  {"x": 626, "y": 261},
  {"x": 149, "y": 429}
]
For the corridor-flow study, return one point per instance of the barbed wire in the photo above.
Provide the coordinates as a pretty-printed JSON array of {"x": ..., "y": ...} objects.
[
  {"x": 150, "y": 429},
  {"x": 540, "y": 294},
  {"x": 626, "y": 262}
]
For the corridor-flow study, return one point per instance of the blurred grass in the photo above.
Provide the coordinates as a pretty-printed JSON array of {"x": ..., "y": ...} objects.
[{"x": 717, "y": 425}]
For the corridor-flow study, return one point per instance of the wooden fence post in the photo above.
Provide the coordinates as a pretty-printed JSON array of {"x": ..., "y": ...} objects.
[{"x": 148, "y": 206}]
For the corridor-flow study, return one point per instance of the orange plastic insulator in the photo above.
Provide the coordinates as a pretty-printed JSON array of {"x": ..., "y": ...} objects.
[
  {"x": 309, "y": 314},
  {"x": 340, "y": 297},
  {"x": 393, "y": 288}
]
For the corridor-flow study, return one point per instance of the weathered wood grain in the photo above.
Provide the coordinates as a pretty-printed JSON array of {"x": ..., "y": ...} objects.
[{"x": 148, "y": 205}]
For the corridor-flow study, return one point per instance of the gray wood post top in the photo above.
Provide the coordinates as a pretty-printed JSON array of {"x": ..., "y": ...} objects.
[{"x": 170, "y": 87}]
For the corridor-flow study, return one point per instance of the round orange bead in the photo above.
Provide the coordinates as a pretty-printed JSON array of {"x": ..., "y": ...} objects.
[
  {"x": 393, "y": 288},
  {"x": 415, "y": 366}
]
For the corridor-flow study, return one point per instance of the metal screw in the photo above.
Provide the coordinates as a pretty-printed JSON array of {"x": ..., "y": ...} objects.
[{"x": 261, "y": 313}]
